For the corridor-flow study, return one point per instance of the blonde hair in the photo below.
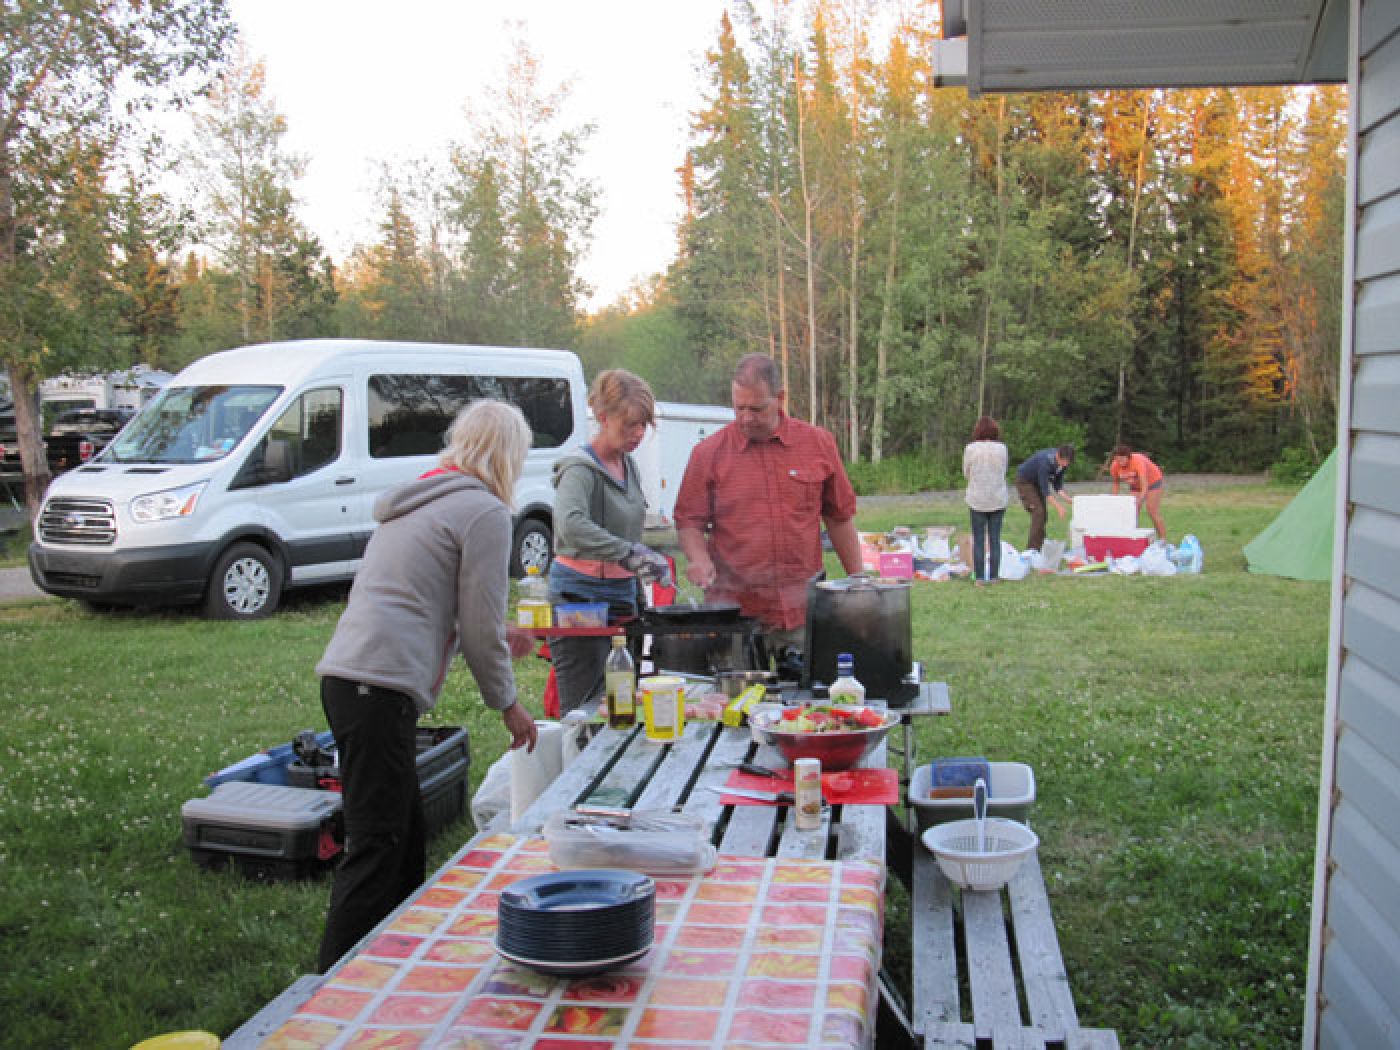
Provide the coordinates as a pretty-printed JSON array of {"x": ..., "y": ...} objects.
[
  {"x": 489, "y": 440},
  {"x": 619, "y": 392}
]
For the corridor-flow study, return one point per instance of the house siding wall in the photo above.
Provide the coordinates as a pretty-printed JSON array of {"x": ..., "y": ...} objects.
[{"x": 1359, "y": 983}]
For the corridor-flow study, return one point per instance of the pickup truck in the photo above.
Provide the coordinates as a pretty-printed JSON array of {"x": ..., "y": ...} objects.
[{"x": 81, "y": 433}]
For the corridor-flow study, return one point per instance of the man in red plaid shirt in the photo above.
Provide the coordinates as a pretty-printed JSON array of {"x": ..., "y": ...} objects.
[{"x": 752, "y": 502}]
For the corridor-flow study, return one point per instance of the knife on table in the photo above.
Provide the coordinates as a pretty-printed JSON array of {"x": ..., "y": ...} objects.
[{"x": 783, "y": 798}]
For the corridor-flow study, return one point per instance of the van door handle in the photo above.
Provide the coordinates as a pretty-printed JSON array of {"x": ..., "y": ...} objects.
[{"x": 345, "y": 481}]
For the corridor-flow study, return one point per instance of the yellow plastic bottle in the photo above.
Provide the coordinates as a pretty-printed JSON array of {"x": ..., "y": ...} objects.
[
  {"x": 534, "y": 609},
  {"x": 663, "y": 705}
]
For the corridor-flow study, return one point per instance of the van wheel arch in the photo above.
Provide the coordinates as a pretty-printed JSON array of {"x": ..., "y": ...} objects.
[
  {"x": 531, "y": 544},
  {"x": 245, "y": 583}
]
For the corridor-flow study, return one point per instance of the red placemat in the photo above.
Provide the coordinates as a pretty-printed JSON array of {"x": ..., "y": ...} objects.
[{"x": 854, "y": 787}]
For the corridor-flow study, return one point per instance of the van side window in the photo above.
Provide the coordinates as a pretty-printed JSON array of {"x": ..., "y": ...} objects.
[
  {"x": 305, "y": 438},
  {"x": 409, "y": 414}
]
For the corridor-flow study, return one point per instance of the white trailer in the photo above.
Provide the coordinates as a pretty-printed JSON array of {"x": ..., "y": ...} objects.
[
  {"x": 129, "y": 389},
  {"x": 665, "y": 450}
]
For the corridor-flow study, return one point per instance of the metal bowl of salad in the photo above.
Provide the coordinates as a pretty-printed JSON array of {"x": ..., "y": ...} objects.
[{"x": 838, "y": 736}]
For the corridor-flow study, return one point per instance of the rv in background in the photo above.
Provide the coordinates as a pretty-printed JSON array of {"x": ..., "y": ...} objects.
[
  {"x": 129, "y": 390},
  {"x": 664, "y": 452},
  {"x": 256, "y": 469}
]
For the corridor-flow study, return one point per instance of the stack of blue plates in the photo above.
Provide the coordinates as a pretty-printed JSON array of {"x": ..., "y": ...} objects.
[{"x": 577, "y": 923}]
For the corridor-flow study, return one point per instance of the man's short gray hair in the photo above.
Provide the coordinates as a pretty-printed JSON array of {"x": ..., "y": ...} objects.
[{"x": 759, "y": 370}]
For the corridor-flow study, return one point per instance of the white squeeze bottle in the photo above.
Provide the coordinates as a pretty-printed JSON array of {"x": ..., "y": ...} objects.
[{"x": 846, "y": 689}]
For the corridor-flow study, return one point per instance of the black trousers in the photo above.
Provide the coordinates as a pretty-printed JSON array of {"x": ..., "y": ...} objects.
[{"x": 385, "y": 844}]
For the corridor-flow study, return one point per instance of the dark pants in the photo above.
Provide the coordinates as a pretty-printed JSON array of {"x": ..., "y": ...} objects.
[
  {"x": 385, "y": 845},
  {"x": 579, "y": 663},
  {"x": 1034, "y": 503},
  {"x": 986, "y": 529}
]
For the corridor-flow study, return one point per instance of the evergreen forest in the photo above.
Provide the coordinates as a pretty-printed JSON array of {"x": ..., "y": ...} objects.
[{"x": 1162, "y": 268}]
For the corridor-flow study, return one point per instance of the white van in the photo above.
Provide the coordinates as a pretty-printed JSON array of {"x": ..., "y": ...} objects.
[{"x": 256, "y": 469}]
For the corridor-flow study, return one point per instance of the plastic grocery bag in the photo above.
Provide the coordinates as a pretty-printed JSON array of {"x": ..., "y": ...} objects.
[
  {"x": 1189, "y": 556},
  {"x": 1155, "y": 561},
  {"x": 1013, "y": 564},
  {"x": 492, "y": 798},
  {"x": 1128, "y": 565}
]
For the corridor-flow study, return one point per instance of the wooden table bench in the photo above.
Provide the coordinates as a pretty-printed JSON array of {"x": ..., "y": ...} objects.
[{"x": 963, "y": 939}]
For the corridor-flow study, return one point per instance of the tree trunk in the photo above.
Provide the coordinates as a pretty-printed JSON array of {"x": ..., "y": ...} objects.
[
  {"x": 24, "y": 390},
  {"x": 853, "y": 347},
  {"x": 996, "y": 263}
]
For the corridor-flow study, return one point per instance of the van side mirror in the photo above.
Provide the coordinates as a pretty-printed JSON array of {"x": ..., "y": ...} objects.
[
  {"x": 277, "y": 461},
  {"x": 268, "y": 463}
]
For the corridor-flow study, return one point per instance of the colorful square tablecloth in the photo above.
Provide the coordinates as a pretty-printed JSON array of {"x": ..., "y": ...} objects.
[{"x": 757, "y": 953}]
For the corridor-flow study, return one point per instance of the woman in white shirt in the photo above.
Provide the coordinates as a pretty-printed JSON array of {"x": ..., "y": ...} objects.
[{"x": 984, "y": 466}]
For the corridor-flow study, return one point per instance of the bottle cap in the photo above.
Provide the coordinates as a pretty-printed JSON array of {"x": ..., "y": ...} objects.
[{"x": 845, "y": 660}]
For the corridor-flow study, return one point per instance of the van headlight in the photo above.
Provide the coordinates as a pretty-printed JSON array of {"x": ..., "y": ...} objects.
[{"x": 172, "y": 503}]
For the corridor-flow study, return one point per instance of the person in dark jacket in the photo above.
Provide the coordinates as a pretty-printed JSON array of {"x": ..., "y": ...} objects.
[
  {"x": 1041, "y": 480},
  {"x": 434, "y": 582}
]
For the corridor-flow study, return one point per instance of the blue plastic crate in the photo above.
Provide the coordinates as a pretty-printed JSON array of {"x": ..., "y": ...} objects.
[{"x": 266, "y": 767}]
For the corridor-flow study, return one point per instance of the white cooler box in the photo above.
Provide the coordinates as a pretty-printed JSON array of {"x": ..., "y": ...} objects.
[
  {"x": 266, "y": 830},
  {"x": 1010, "y": 794},
  {"x": 1102, "y": 515}
]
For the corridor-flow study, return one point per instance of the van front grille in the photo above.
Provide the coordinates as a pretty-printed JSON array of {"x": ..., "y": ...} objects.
[{"x": 90, "y": 522}]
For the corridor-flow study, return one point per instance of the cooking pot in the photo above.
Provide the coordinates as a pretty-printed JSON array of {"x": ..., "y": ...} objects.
[
  {"x": 706, "y": 614},
  {"x": 870, "y": 619}
]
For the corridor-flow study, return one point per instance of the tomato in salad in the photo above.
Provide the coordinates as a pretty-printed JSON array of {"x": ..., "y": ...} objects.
[{"x": 824, "y": 719}]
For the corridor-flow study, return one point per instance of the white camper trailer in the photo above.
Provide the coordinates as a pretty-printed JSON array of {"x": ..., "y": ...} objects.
[{"x": 664, "y": 452}]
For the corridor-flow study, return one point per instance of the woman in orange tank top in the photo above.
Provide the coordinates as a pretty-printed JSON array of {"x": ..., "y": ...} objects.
[{"x": 1144, "y": 480}]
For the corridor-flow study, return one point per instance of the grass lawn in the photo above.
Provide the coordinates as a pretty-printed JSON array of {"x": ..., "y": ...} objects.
[{"x": 1174, "y": 726}]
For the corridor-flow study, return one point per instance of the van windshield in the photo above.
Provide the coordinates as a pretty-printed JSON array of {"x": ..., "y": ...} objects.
[{"x": 192, "y": 424}]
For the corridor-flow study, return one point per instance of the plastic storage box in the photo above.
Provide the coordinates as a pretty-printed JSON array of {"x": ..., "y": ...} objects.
[
  {"x": 1011, "y": 794},
  {"x": 266, "y": 830},
  {"x": 266, "y": 767},
  {"x": 444, "y": 757},
  {"x": 581, "y": 614}
]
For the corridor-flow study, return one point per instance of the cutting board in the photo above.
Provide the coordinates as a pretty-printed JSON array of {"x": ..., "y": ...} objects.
[{"x": 853, "y": 787}]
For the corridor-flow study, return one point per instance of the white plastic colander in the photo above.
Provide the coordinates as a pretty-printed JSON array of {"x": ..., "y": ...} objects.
[{"x": 981, "y": 853}]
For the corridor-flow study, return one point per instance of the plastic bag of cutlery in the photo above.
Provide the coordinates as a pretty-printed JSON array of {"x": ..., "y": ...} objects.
[{"x": 657, "y": 842}]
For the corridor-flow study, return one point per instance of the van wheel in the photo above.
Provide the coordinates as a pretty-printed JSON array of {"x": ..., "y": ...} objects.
[
  {"x": 534, "y": 545},
  {"x": 246, "y": 584}
]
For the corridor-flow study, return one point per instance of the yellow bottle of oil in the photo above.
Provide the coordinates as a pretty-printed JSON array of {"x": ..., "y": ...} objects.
[
  {"x": 663, "y": 705},
  {"x": 533, "y": 609},
  {"x": 620, "y": 675}
]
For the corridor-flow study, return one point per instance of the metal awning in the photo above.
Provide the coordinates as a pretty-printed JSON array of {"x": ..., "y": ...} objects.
[{"x": 1030, "y": 45}]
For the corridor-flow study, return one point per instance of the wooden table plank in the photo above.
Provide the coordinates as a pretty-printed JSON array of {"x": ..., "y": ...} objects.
[
  {"x": 1042, "y": 967},
  {"x": 990, "y": 978},
  {"x": 573, "y": 782},
  {"x": 935, "y": 999}
]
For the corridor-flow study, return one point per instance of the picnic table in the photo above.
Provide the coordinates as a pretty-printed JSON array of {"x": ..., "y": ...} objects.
[{"x": 781, "y": 944}]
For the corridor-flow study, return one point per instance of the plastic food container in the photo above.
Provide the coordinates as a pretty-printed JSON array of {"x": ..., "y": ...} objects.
[
  {"x": 581, "y": 614},
  {"x": 1010, "y": 794}
]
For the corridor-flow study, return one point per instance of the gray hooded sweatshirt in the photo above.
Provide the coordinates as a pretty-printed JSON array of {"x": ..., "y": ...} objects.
[
  {"x": 595, "y": 517},
  {"x": 434, "y": 580}
]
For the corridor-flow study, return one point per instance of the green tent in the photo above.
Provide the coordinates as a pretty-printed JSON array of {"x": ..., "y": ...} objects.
[{"x": 1298, "y": 543}]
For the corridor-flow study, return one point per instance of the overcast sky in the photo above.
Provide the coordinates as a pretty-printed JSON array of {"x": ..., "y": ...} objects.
[{"x": 362, "y": 81}]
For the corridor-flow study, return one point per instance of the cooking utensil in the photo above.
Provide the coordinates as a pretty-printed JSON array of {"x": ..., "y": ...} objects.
[
  {"x": 837, "y": 750},
  {"x": 782, "y": 798},
  {"x": 871, "y": 620},
  {"x": 979, "y": 812}
]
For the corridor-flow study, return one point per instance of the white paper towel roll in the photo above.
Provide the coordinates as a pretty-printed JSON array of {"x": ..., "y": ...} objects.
[{"x": 533, "y": 771}]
